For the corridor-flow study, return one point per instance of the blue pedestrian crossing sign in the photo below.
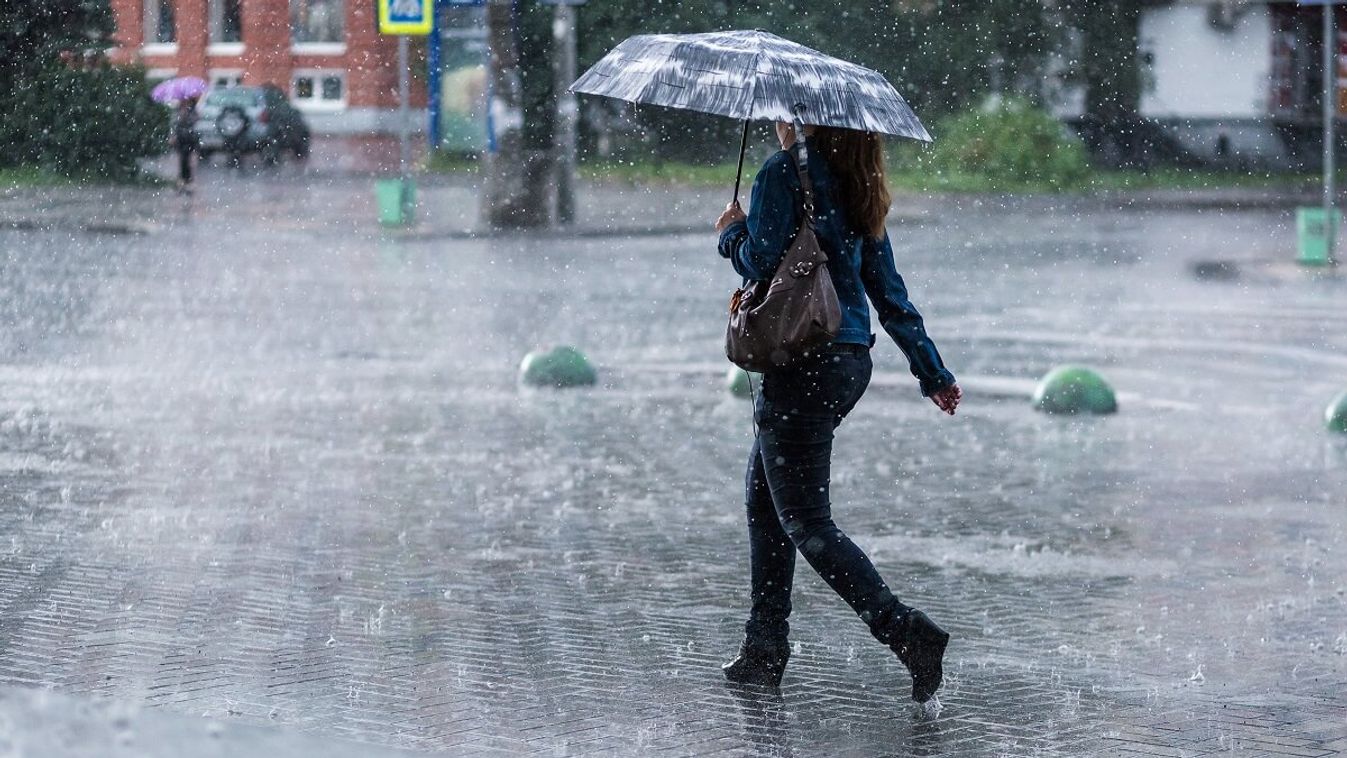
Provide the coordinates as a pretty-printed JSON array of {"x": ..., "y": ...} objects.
[{"x": 405, "y": 16}]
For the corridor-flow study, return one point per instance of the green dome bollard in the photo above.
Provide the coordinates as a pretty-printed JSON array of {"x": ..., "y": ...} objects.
[
  {"x": 1335, "y": 417},
  {"x": 559, "y": 367},
  {"x": 736, "y": 380},
  {"x": 1074, "y": 389}
]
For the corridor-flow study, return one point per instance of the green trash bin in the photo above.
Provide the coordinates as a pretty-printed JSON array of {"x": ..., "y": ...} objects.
[
  {"x": 396, "y": 201},
  {"x": 1312, "y": 227}
]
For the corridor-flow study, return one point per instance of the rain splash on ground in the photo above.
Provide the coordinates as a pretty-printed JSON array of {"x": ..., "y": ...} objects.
[{"x": 265, "y": 464}]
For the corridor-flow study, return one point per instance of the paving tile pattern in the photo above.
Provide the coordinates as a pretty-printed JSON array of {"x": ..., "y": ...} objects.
[{"x": 286, "y": 477}]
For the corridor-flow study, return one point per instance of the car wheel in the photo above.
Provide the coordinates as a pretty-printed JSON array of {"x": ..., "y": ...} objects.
[{"x": 232, "y": 123}]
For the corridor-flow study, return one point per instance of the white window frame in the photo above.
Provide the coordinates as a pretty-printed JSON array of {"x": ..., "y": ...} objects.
[
  {"x": 318, "y": 48},
  {"x": 220, "y": 49},
  {"x": 316, "y": 103},
  {"x": 156, "y": 47},
  {"x": 235, "y": 74}
]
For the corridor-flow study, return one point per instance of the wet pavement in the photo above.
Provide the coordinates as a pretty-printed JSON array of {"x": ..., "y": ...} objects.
[{"x": 266, "y": 464}]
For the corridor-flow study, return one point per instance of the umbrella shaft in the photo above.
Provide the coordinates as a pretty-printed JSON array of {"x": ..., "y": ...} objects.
[{"x": 743, "y": 145}]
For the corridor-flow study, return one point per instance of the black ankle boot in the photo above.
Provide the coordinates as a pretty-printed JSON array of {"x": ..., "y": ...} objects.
[
  {"x": 920, "y": 645},
  {"x": 760, "y": 663}
]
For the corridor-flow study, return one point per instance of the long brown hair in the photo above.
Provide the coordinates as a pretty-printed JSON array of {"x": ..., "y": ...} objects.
[{"x": 856, "y": 161}]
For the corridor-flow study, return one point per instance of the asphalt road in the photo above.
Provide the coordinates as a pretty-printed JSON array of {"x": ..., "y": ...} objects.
[{"x": 265, "y": 463}]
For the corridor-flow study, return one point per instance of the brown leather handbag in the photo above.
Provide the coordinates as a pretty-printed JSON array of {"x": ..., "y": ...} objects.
[{"x": 775, "y": 323}]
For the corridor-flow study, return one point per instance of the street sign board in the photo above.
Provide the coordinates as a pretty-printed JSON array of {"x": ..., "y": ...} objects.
[{"x": 406, "y": 16}]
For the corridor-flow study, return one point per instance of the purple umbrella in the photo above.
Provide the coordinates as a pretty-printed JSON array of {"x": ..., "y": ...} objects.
[{"x": 179, "y": 88}]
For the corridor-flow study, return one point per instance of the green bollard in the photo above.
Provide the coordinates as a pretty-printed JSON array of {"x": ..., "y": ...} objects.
[
  {"x": 559, "y": 367},
  {"x": 1074, "y": 389},
  {"x": 1335, "y": 417},
  {"x": 397, "y": 201},
  {"x": 737, "y": 382},
  {"x": 1316, "y": 230}
]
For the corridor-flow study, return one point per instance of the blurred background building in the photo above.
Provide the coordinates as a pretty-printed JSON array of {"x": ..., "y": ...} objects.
[
  {"x": 1238, "y": 82},
  {"x": 1231, "y": 83},
  {"x": 327, "y": 55}
]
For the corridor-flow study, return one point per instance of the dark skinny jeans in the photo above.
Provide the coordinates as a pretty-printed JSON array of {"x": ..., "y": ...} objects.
[
  {"x": 787, "y": 494},
  {"x": 185, "y": 164}
]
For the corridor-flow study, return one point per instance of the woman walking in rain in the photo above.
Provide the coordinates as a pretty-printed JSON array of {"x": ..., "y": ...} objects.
[{"x": 802, "y": 403}]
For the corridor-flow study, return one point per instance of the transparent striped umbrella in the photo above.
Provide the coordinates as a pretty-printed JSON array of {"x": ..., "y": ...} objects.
[{"x": 751, "y": 75}]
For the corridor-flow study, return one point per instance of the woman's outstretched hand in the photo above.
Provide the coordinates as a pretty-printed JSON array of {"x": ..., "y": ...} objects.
[
  {"x": 948, "y": 398},
  {"x": 732, "y": 214}
]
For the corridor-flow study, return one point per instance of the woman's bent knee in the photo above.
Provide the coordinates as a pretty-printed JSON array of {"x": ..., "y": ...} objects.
[{"x": 811, "y": 537}]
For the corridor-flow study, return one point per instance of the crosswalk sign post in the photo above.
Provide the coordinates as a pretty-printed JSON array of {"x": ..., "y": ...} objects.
[
  {"x": 403, "y": 18},
  {"x": 1318, "y": 227}
]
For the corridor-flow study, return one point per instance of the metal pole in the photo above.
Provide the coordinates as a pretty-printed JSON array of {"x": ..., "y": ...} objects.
[
  {"x": 490, "y": 94},
  {"x": 433, "y": 100},
  {"x": 568, "y": 110},
  {"x": 1330, "y": 103},
  {"x": 404, "y": 138}
]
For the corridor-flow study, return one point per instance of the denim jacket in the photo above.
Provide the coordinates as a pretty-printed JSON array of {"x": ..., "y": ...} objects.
[{"x": 859, "y": 266}]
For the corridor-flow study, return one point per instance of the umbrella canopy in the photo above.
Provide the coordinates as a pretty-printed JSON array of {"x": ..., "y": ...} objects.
[
  {"x": 178, "y": 88},
  {"x": 750, "y": 75}
]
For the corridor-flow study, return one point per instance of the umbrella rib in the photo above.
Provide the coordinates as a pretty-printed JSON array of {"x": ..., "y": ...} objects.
[
  {"x": 654, "y": 78},
  {"x": 753, "y": 84}
]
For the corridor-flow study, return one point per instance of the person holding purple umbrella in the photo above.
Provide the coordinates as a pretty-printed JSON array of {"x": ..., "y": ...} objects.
[
  {"x": 182, "y": 93},
  {"x": 185, "y": 140}
]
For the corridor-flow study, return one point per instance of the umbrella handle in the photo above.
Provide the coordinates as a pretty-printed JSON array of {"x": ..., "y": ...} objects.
[
  {"x": 739, "y": 172},
  {"x": 798, "y": 112}
]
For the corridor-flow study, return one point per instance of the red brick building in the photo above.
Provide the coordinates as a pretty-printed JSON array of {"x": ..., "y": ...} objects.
[{"x": 327, "y": 54}]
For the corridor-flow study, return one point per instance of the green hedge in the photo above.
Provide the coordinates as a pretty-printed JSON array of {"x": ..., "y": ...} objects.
[
  {"x": 96, "y": 121},
  {"x": 1010, "y": 144}
]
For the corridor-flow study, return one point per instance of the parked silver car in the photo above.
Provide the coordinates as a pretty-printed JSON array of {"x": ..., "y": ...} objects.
[{"x": 240, "y": 120}]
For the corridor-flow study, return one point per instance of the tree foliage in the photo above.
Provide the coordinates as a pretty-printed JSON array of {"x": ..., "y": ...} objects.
[
  {"x": 34, "y": 34},
  {"x": 65, "y": 108},
  {"x": 954, "y": 53},
  {"x": 93, "y": 121},
  {"x": 1010, "y": 142},
  {"x": 1104, "y": 59}
]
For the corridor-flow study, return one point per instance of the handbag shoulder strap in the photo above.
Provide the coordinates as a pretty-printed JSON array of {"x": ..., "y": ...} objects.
[{"x": 801, "y": 154}]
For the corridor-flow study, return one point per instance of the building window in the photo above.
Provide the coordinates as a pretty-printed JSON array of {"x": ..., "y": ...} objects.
[
  {"x": 226, "y": 21},
  {"x": 317, "y": 21},
  {"x": 319, "y": 89},
  {"x": 159, "y": 22},
  {"x": 225, "y": 77}
]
